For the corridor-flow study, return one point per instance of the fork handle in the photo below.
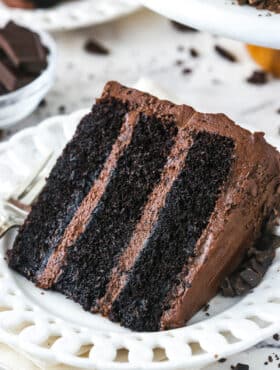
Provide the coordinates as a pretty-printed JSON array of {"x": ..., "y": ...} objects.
[{"x": 6, "y": 226}]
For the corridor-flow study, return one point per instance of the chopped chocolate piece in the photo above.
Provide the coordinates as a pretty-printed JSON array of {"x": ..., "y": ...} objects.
[
  {"x": 251, "y": 277},
  {"x": 22, "y": 46},
  {"x": 182, "y": 27},
  {"x": 222, "y": 360},
  {"x": 94, "y": 47},
  {"x": 22, "y": 57},
  {"x": 194, "y": 53},
  {"x": 276, "y": 337},
  {"x": 241, "y": 367},
  {"x": 258, "y": 78},
  {"x": 228, "y": 55},
  {"x": 186, "y": 71},
  {"x": 227, "y": 288},
  {"x": 11, "y": 77}
]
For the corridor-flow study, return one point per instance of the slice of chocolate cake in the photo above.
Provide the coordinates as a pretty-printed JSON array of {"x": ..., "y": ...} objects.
[{"x": 150, "y": 206}]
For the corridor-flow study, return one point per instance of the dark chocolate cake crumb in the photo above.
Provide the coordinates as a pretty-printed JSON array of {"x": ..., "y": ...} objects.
[
  {"x": 182, "y": 27},
  {"x": 194, "y": 53},
  {"x": 222, "y": 360},
  {"x": 186, "y": 71},
  {"x": 94, "y": 47},
  {"x": 224, "y": 53},
  {"x": 258, "y": 78},
  {"x": 276, "y": 337}
]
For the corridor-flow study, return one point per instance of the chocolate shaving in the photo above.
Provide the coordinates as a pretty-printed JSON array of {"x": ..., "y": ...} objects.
[
  {"x": 240, "y": 367},
  {"x": 194, "y": 53},
  {"x": 94, "y": 47},
  {"x": 226, "y": 54},
  {"x": 258, "y": 78},
  {"x": 182, "y": 28}
]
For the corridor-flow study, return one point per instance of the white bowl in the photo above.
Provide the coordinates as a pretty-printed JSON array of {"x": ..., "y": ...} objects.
[{"x": 19, "y": 104}]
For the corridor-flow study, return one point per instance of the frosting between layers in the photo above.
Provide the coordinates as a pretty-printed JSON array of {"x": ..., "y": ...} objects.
[
  {"x": 143, "y": 229},
  {"x": 79, "y": 222}
]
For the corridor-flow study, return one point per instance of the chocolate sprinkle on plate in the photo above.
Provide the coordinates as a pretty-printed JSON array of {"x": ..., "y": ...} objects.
[
  {"x": 241, "y": 367},
  {"x": 194, "y": 53},
  {"x": 222, "y": 360},
  {"x": 182, "y": 28},
  {"x": 186, "y": 71},
  {"x": 276, "y": 337},
  {"x": 224, "y": 53},
  {"x": 258, "y": 78},
  {"x": 94, "y": 47}
]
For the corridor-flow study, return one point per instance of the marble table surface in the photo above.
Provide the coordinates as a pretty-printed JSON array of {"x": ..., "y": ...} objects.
[{"x": 146, "y": 45}]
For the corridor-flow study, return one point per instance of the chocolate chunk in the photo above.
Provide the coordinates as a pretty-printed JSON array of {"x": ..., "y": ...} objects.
[
  {"x": 251, "y": 277},
  {"x": 258, "y": 78},
  {"x": 222, "y": 360},
  {"x": 225, "y": 54},
  {"x": 276, "y": 337},
  {"x": 194, "y": 53},
  {"x": 241, "y": 367},
  {"x": 182, "y": 27},
  {"x": 94, "y": 47},
  {"x": 23, "y": 47},
  {"x": 227, "y": 289},
  {"x": 12, "y": 78},
  {"x": 186, "y": 71}
]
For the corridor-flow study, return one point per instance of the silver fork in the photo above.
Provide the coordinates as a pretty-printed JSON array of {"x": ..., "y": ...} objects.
[{"x": 18, "y": 206}]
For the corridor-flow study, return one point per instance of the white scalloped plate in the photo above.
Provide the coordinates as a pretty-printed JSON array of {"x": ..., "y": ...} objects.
[
  {"x": 70, "y": 14},
  {"x": 51, "y": 329},
  {"x": 223, "y": 17}
]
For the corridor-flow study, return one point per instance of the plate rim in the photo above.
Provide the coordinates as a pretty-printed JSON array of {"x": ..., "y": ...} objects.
[{"x": 168, "y": 339}]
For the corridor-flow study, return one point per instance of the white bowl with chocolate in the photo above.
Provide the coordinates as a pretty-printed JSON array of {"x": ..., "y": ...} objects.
[{"x": 26, "y": 71}]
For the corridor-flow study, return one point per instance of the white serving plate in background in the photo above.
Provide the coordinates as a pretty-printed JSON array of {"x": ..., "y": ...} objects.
[
  {"x": 50, "y": 329},
  {"x": 70, "y": 14},
  {"x": 224, "y": 18}
]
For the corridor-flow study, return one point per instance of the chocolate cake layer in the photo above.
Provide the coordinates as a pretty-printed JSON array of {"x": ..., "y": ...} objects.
[
  {"x": 172, "y": 242},
  {"x": 113, "y": 221},
  {"x": 79, "y": 222},
  {"x": 69, "y": 182}
]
